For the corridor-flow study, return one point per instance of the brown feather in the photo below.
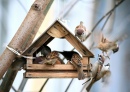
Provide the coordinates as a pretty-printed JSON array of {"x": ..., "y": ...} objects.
[{"x": 76, "y": 61}]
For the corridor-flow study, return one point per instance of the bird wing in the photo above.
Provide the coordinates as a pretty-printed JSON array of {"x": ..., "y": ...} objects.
[
  {"x": 76, "y": 61},
  {"x": 52, "y": 55},
  {"x": 105, "y": 78},
  {"x": 76, "y": 58},
  {"x": 102, "y": 38},
  {"x": 89, "y": 86},
  {"x": 52, "y": 58}
]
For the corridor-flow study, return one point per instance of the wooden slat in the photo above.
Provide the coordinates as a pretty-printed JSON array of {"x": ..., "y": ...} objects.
[
  {"x": 85, "y": 60},
  {"x": 78, "y": 45},
  {"x": 38, "y": 43},
  {"x": 29, "y": 61},
  {"x": 53, "y": 74},
  {"x": 50, "y": 67},
  {"x": 57, "y": 31}
]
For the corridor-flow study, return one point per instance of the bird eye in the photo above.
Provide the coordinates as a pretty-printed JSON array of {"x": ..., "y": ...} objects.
[{"x": 99, "y": 58}]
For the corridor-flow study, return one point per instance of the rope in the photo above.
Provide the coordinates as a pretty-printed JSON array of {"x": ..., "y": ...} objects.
[{"x": 17, "y": 53}]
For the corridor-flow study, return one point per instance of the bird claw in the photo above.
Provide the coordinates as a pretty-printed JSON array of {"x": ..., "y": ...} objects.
[
  {"x": 87, "y": 81},
  {"x": 107, "y": 57}
]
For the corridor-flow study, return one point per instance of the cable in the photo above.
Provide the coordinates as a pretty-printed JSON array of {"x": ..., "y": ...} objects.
[{"x": 17, "y": 53}]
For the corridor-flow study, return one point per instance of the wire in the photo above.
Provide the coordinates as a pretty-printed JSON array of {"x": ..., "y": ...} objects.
[{"x": 17, "y": 53}]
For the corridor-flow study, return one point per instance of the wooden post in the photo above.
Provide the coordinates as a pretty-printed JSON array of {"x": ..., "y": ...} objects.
[
  {"x": 86, "y": 62},
  {"x": 11, "y": 74},
  {"x": 26, "y": 32}
]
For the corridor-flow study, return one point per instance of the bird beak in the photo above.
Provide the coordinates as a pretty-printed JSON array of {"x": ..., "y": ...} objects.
[{"x": 115, "y": 50}]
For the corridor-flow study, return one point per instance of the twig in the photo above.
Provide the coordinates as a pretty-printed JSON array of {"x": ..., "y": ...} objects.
[
  {"x": 106, "y": 21},
  {"x": 22, "y": 84},
  {"x": 69, "y": 84},
  {"x": 14, "y": 89},
  {"x": 44, "y": 85},
  {"x": 107, "y": 14}
]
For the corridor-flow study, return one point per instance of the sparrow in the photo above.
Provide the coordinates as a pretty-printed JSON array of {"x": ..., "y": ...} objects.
[
  {"x": 81, "y": 32},
  {"x": 98, "y": 71},
  {"x": 50, "y": 59},
  {"x": 105, "y": 45},
  {"x": 96, "y": 67},
  {"x": 75, "y": 59},
  {"x": 104, "y": 74}
]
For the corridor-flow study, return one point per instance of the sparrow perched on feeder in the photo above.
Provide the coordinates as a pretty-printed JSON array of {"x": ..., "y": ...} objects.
[
  {"x": 50, "y": 59},
  {"x": 81, "y": 32},
  {"x": 75, "y": 59},
  {"x": 105, "y": 45}
]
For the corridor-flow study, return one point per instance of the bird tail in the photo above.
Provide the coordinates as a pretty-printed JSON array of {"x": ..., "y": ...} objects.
[
  {"x": 90, "y": 85},
  {"x": 81, "y": 74}
]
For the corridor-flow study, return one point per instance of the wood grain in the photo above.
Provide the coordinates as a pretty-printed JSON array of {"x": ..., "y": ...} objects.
[
  {"x": 53, "y": 74},
  {"x": 51, "y": 67},
  {"x": 57, "y": 31}
]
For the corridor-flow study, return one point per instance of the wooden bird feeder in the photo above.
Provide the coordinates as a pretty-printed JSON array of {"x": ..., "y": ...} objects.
[{"x": 56, "y": 30}]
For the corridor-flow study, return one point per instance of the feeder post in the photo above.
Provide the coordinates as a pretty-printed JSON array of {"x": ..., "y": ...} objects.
[{"x": 11, "y": 74}]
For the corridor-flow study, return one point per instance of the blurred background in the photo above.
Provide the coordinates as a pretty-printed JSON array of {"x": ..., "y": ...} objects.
[{"x": 71, "y": 12}]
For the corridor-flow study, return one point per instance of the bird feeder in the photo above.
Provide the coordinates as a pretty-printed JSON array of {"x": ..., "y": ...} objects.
[{"x": 56, "y": 30}]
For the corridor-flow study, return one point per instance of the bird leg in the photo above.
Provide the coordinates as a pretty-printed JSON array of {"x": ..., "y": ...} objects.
[
  {"x": 103, "y": 53},
  {"x": 106, "y": 54}
]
